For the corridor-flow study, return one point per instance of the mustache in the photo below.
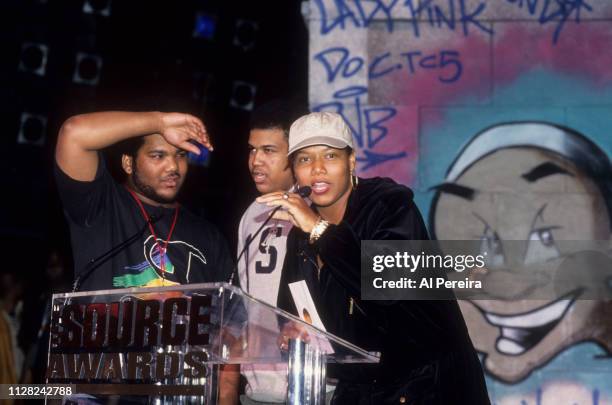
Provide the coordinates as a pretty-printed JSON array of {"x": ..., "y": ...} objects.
[{"x": 171, "y": 176}]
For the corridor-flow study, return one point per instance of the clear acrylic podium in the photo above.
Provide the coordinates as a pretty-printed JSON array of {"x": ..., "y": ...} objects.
[{"x": 165, "y": 344}]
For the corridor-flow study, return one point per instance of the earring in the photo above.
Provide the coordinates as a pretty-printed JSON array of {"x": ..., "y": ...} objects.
[{"x": 354, "y": 180}]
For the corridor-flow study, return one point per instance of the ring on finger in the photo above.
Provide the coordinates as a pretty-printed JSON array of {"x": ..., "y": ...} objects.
[{"x": 285, "y": 196}]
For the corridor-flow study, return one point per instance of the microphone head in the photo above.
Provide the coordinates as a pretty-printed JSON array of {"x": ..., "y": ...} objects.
[{"x": 304, "y": 191}]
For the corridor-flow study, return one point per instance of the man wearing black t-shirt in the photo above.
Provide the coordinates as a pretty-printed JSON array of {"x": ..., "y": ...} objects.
[{"x": 174, "y": 246}]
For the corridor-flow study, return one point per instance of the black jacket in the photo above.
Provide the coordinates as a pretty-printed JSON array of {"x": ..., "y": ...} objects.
[{"x": 426, "y": 353}]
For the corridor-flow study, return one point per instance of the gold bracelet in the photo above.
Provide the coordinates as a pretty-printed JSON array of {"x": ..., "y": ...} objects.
[{"x": 317, "y": 230}]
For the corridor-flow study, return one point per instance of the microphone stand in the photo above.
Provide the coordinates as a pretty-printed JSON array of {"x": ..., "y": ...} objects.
[
  {"x": 302, "y": 192},
  {"x": 248, "y": 243},
  {"x": 244, "y": 249},
  {"x": 94, "y": 263}
]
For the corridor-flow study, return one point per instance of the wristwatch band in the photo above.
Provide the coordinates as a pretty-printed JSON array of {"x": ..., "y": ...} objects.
[{"x": 317, "y": 230}]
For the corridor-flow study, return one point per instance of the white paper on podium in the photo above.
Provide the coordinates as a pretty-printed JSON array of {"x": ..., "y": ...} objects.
[{"x": 308, "y": 312}]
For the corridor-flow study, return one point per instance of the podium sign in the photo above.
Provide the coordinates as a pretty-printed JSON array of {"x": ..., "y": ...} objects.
[{"x": 166, "y": 343}]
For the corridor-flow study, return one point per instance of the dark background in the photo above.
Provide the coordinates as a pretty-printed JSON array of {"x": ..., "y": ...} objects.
[
  {"x": 151, "y": 60},
  {"x": 215, "y": 59}
]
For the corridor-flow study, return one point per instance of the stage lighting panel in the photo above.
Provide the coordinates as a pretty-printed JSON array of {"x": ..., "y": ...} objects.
[
  {"x": 205, "y": 26},
  {"x": 88, "y": 69},
  {"x": 245, "y": 34},
  {"x": 32, "y": 130},
  {"x": 243, "y": 95},
  {"x": 99, "y": 7},
  {"x": 33, "y": 58}
]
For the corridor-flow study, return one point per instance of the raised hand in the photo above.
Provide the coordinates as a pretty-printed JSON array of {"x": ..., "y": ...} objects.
[{"x": 181, "y": 130}]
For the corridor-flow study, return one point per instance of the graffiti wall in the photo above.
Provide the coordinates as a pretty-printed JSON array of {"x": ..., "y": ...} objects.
[{"x": 498, "y": 114}]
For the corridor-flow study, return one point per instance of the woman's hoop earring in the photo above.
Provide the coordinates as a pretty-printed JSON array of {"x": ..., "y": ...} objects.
[{"x": 354, "y": 180}]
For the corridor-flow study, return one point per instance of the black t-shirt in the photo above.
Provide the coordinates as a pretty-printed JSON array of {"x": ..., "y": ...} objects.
[{"x": 102, "y": 214}]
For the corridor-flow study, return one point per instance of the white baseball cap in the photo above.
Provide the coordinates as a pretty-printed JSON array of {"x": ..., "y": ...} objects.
[{"x": 320, "y": 128}]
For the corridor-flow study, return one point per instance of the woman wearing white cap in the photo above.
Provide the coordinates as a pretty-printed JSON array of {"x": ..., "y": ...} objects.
[{"x": 426, "y": 354}]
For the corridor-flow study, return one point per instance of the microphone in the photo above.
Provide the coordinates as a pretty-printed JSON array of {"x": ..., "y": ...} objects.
[
  {"x": 95, "y": 263},
  {"x": 302, "y": 192}
]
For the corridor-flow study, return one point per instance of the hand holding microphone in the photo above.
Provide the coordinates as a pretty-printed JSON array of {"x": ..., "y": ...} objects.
[{"x": 296, "y": 208}]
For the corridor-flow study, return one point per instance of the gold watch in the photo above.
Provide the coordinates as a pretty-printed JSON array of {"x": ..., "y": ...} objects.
[{"x": 317, "y": 230}]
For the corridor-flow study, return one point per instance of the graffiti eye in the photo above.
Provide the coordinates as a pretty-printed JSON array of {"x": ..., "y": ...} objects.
[
  {"x": 546, "y": 237},
  {"x": 541, "y": 246},
  {"x": 492, "y": 248}
]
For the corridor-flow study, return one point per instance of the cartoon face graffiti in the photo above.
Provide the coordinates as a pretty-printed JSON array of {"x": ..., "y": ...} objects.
[{"x": 541, "y": 185}]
